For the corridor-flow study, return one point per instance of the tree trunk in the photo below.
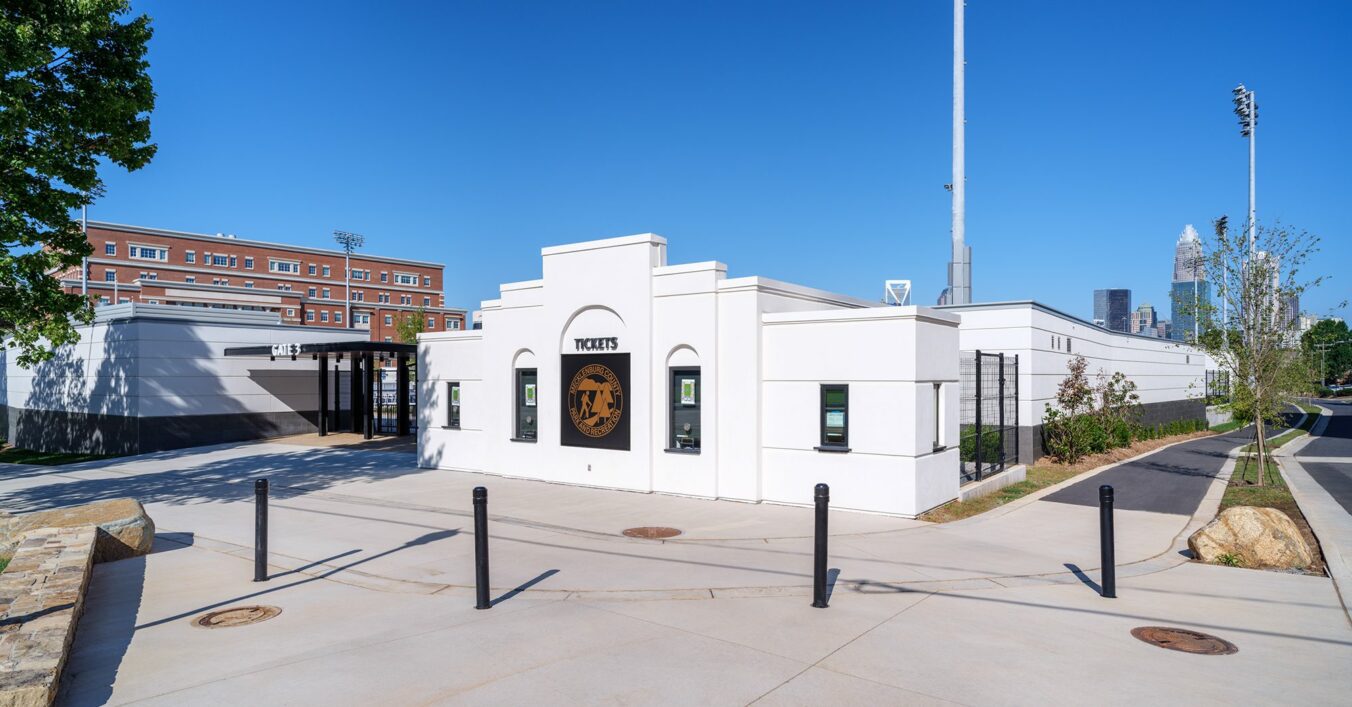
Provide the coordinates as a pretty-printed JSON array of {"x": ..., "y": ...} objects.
[{"x": 1260, "y": 445}]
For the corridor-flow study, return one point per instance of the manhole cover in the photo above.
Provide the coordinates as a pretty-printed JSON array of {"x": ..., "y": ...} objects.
[
  {"x": 236, "y": 616},
  {"x": 1181, "y": 639},
  {"x": 650, "y": 532}
]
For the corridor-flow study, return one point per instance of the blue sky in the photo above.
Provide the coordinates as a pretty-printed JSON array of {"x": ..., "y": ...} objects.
[{"x": 806, "y": 142}]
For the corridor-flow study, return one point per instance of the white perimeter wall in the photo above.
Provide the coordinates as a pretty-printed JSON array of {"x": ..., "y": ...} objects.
[{"x": 1046, "y": 340}]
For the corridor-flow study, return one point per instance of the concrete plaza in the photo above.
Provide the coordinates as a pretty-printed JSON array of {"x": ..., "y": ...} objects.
[{"x": 373, "y": 570}]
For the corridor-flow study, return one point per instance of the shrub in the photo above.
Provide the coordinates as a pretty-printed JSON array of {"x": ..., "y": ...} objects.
[{"x": 990, "y": 444}]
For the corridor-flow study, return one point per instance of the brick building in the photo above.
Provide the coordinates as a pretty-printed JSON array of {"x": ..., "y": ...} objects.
[{"x": 305, "y": 286}]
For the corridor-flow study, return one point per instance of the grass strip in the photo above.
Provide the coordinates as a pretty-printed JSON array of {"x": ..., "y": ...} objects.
[{"x": 13, "y": 455}]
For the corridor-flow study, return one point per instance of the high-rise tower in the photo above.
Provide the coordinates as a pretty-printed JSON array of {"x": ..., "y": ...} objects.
[{"x": 1190, "y": 293}]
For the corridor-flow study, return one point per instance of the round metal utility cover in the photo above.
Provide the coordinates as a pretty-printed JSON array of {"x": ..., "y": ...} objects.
[
  {"x": 236, "y": 616},
  {"x": 652, "y": 532},
  {"x": 1181, "y": 639}
]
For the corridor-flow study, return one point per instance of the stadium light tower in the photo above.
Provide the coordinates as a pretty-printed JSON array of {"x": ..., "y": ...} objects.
[
  {"x": 1246, "y": 109},
  {"x": 959, "y": 289},
  {"x": 349, "y": 242}
]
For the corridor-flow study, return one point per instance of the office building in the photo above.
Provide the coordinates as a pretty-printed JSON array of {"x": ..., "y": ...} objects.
[
  {"x": 303, "y": 286},
  {"x": 1113, "y": 308},
  {"x": 1190, "y": 293},
  {"x": 1144, "y": 321}
]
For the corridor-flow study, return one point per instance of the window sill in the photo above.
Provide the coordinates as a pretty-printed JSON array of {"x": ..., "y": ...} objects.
[
  {"x": 833, "y": 448},
  {"x": 681, "y": 450},
  {"x": 939, "y": 448},
  {"x": 527, "y": 440},
  {"x": 450, "y": 427}
]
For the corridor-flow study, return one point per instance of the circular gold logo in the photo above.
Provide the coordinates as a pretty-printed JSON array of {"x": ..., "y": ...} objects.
[{"x": 595, "y": 400}]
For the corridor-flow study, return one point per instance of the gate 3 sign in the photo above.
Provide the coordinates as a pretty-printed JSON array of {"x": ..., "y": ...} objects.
[{"x": 595, "y": 401}]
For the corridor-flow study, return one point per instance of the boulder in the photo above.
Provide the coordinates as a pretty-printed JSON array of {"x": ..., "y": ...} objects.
[
  {"x": 1256, "y": 537},
  {"x": 124, "y": 529}
]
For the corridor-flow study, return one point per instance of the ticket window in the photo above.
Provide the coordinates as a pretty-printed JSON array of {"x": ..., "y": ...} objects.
[
  {"x": 527, "y": 404},
  {"x": 684, "y": 422},
  {"x": 453, "y": 405},
  {"x": 835, "y": 429}
]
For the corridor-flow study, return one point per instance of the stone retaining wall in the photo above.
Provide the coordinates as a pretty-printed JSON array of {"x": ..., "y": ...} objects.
[{"x": 41, "y": 596}]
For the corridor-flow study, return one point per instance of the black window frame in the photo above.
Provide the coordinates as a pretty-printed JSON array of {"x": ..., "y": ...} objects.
[
  {"x": 938, "y": 441},
  {"x": 844, "y": 444},
  {"x": 452, "y": 410},
  {"x": 519, "y": 404},
  {"x": 675, "y": 374}
]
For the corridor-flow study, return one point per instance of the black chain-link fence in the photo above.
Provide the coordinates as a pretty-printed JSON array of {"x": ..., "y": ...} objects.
[{"x": 988, "y": 413}]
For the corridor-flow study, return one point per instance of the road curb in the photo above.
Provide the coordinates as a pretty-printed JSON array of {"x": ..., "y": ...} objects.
[{"x": 1331, "y": 526}]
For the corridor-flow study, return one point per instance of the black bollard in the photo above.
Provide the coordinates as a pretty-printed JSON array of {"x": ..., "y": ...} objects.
[
  {"x": 823, "y": 498},
  {"x": 260, "y": 530},
  {"x": 1106, "y": 558},
  {"x": 481, "y": 549}
]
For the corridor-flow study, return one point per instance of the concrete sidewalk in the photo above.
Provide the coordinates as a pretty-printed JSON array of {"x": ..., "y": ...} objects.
[{"x": 372, "y": 567}]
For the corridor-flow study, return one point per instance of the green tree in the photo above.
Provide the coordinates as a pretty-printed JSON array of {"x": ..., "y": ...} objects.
[
  {"x": 409, "y": 326},
  {"x": 73, "y": 91},
  {"x": 1328, "y": 344},
  {"x": 1254, "y": 337}
]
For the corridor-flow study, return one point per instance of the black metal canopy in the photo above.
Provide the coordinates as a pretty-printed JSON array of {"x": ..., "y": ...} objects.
[
  {"x": 378, "y": 347},
  {"x": 362, "y": 370}
]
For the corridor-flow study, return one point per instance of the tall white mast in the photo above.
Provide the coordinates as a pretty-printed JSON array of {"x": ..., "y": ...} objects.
[{"x": 960, "y": 267}]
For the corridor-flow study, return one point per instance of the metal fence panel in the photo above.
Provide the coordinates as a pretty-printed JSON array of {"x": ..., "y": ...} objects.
[{"x": 988, "y": 414}]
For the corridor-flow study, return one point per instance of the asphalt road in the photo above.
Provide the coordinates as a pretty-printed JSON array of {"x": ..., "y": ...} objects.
[
  {"x": 1334, "y": 476},
  {"x": 1172, "y": 480}
]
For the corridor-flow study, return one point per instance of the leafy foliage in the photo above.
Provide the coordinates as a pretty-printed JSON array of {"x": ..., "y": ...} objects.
[
  {"x": 1090, "y": 418},
  {"x": 73, "y": 91},
  {"x": 1254, "y": 336},
  {"x": 1328, "y": 344},
  {"x": 409, "y": 326}
]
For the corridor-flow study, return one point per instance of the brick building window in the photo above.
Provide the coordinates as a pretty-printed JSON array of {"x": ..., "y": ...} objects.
[
  {"x": 190, "y": 256},
  {"x": 248, "y": 263},
  {"x": 110, "y": 249}
]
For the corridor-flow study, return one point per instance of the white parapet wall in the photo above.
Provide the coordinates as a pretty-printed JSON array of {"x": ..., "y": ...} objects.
[
  {"x": 708, "y": 386},
  {"x": 147, "y": 377}
]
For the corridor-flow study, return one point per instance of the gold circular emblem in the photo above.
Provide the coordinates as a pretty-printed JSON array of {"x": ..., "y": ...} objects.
[{"x": 595, "y": 400}]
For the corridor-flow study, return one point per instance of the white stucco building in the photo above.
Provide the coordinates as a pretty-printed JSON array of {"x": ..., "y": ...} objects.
[
  {"x": 147, "y": 377},
  {"x": 618, "y": 370}
]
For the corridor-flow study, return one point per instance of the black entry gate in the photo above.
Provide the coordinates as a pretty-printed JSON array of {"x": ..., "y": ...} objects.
[{"x": 988, "y": 413}]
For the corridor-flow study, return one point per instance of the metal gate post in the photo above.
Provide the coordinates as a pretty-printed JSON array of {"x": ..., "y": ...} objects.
[
  {"x": 1002, "y": 411},
  {"x": 401, "y": 398},
  {"x": 977, "y": 445},
  {"x": 322, "y": 421},
  {"x": 1017, "y": 432}
]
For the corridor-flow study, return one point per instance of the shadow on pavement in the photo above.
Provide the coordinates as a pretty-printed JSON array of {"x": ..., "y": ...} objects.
[{"x": 521, "y": 588}]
